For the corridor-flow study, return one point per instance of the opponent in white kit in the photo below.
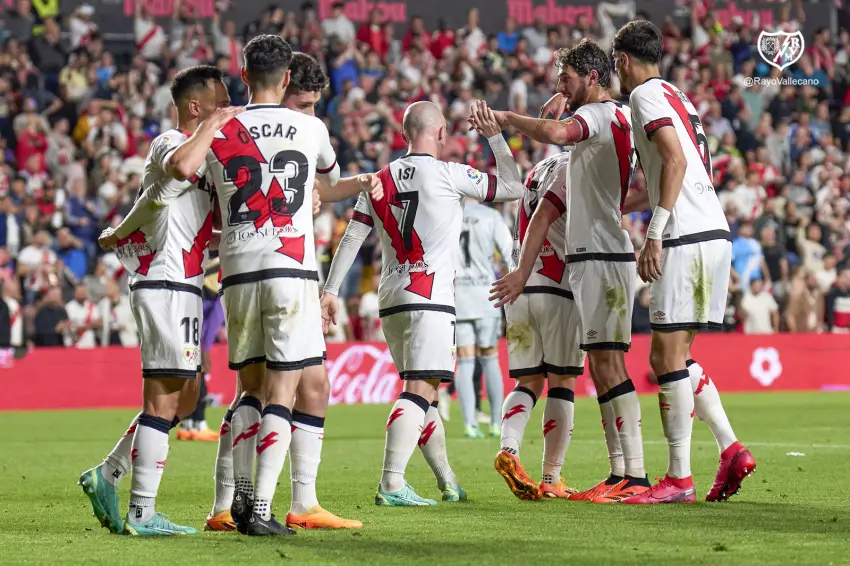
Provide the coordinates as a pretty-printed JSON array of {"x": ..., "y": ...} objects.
[
  {"x": 687, "y": 257},
  {"x": 162, "y": 243},
  {"x": 600, "y": 257},
  {"x": 419, "y": 222}
]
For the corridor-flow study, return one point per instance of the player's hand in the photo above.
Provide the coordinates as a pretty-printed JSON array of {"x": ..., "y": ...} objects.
[
  {"x": 649, "y": 262},
  {"x": 317, "y": 203},
  {"x": 484, "y": 120},
  {"x": 508, "y": 289},
  {"x": 108, "y": 240},
  {"x": 220, "y": 117},
  {"x": 370, "y": 183},
  {"x": 330, "y": 307},
  {"x": 555, "y": 107}
]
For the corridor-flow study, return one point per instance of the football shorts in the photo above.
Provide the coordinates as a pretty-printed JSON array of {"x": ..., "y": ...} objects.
[
  {"x": 169, "y": 323},
  {"x": 274, "y": 321},
  {"x": 604, "y": 296},
  {"x": 481, "y": 333},
  {"x": 422, "y": 343},
  {"x": 691, "y": 292},
  {"x": 543, "y": 335}
]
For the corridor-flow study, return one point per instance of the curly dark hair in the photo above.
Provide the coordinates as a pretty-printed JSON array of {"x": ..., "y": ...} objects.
[
  {"x": 641, "y": 40},
  {"x": 306, "y": 75},
  {"x": 190, "y": 80},
  {"x": 585, "y": 57},
  {"x": 267, "y": 58}
]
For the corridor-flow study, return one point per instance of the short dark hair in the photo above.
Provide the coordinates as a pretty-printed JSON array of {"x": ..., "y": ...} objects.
[
  {"x": 189, "y": 80},
  {"x": 306, "y": 75},
  {"x": 267, "y": 58},
  {"x": 640, "y": 39},
  {"x": 585, "y": 57}
]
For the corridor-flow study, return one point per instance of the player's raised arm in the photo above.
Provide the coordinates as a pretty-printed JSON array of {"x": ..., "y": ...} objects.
[
  {"x": 507, "y": 289},
  {"x": 507, "y": 185},
  {"x": 326, "y": 165},
  {"x": 186, "y": 160},
  {"x": 351, "y": 186}
]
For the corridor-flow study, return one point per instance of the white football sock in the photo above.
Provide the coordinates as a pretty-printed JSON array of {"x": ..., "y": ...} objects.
[
  {"x": 117, "y": 463},
  {"x": 557, "y": 431},
  {"x": 676, "y": 400},
  {"x": 612, "y": 437},
  {"x": 432, "y": 442},
  {"x": 404, "y": 426},
  {"x": 274, "y": 438},
  {"x": 244, "y": 429},
  {"x": 149, "y": 453},
  {"x": 708, "y": 408},
  {"x": 626, "y": 406},
  {"x": 516, "y": 411},
  {"x": 305, "y": 454},
  {"x": 224, "y": 481},
  {"x": 466, "y": 391},
  {"x": 494, "y": 386}
]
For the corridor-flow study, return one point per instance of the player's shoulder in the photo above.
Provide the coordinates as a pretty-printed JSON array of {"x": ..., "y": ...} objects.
[
  {"x": 553, "y": 164},
  {"x": 168, "y": 138}
]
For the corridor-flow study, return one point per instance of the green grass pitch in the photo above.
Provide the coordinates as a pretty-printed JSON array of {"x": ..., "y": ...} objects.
[{"x": 794, "y": 510}]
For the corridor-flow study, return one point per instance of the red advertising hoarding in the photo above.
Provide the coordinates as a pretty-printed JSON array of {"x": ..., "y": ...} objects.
[{"x": 364, "y": 373}]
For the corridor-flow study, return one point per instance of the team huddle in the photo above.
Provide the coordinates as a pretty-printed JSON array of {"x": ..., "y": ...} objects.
[{"x": 246, "y": 180}]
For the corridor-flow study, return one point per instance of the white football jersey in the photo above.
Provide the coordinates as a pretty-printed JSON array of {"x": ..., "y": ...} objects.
[
  {"x": 263, "y": 163},
  {"x": 698, "y": 215},
  {"x": 600, "y": 169},
  {"x": 419, "y": 222},
  {"x": 173, "y": 246},
  {"x": 548, "y": 179}
]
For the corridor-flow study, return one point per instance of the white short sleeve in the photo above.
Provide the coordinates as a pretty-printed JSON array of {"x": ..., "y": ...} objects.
[
  {"x": 649, "y": 111},
  {"x": 469, "y": 181},
  {"x": 588, "y": 120}
]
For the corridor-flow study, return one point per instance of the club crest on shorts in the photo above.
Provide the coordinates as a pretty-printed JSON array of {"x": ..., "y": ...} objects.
[
  {"x": 190, "y": 355},
  {"x": 781, "y": 49}
]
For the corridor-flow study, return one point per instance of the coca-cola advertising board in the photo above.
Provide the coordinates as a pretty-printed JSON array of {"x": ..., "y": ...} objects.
[{"x": 60, "y": 378}]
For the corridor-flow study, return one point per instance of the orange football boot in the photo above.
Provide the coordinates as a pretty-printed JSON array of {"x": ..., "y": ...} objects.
[
  {"x": 184, "y": 434},
  {"x": 556, "y": 491},
  {"x": 205, "y": 435},
  {"x": 221, "y": 522},
  {"x": 598, "y": 490},
  {"x": 622, "y": 490},
  {"x": 318, "y": 518},
  {"x": 516, "y": 477}
]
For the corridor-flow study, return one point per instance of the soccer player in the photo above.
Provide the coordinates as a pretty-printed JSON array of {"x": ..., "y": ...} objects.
[
  {"x": 419, "y": 224},
  {"x": 686, "y": 257},
  {"x": 162, "y": 242},
  {"x": 263, "y": 164},
  {"x": 307, "y": 81},
  {"x": 478, "y": 323},
  {"x": 600, "y": 257}
]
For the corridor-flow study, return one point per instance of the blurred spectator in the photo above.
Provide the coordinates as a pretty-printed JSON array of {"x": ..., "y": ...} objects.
[
  {"x": 805, "y": 312},
  {"x": 837, "y": 303},
  {"x": 759, "y": 311},
  {"x": 338, "y": 24},
  {"x": 12, "y": 300},
  {"x": 37, "y": 266},
  {"x": 20, "y": 21},
  {"x": 69, "y": 253},
  {"x": 51, "y": 320},
  {"x": 747, "y": 256},
  {"x": 119, "y": 324},
  {"x": 368, "y": 312},
  {"x": 640, "y": 314},
  {"x": 83, "y": 318},
  {"x": 81, "y": 25}
]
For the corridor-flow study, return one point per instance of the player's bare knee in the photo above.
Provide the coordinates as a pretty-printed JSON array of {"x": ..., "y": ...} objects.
[
  {"x": 281, "y": 386},
  {"x": 565, "y": 381},
  {"x": 188, "y": 397},
  {"x": 466, "y": 352},
  {"x": 313, "y": 392},
  {"x": 425, "y": 388},
  {"x": 534, "y": 383},
  {"x": 488, "y": 352},
  {"x": 607, "y": 369},
  {"x": 251, "y": 380},
  {"x": 162, "y": 397}
]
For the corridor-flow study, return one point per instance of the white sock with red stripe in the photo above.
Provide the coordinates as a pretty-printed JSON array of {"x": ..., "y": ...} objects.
[
  {"x": 149, "y": 453},
  {"x": 404, "y": 427},
  {"x": 305, "y": 454},
  {"x": 117, "y": 463},
  {"x": 244, "y": 429},
  {"x": 676, "y": 400},
  {"x": 708, "y": 408},
  {"x": 612, "y": 437},
  {"x": 224, "y": 482},
  {"x": 626, "y": 405},
  {"x": 516, "y": 411},
  {"x": 274, "y": 438},
  {"x": 557, "y": 431},
  {"x": 432, "y": 442}
]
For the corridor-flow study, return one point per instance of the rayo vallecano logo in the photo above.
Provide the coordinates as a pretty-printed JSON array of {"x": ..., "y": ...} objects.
[{"x": 781, "y": 49}]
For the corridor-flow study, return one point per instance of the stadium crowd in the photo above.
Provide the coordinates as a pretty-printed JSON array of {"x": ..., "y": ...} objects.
[{"x": 76, "y": 121}]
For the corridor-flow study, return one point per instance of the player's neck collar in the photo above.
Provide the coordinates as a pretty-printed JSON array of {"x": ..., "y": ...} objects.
[
  {"x": 257, "y": 105},
  {"x": 652, "y": 79},
  {"x": 418, "y": 155}
]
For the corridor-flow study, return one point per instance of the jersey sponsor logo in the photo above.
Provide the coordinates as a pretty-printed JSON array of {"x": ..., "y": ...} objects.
[
  {"x": 474, "y": 175},
  {"x": 781, "y": 49},
  {"x": 136, "y": 246},
  {"x": 553, "y": 266}
]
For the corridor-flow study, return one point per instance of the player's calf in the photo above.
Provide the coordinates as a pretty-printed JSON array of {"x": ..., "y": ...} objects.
[{"x": 558, "y": 418}]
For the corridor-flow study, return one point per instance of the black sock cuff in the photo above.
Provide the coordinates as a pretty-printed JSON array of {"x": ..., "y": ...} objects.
[
  {"x": 621, "y": 389},
  {"x": 417, "y": 400},
  {"x": 175, "y": 421},
  {"x": 604, "y": 398},
  {"x": 677, "y": 375},
  {"x": 563, "y": 393},
  {"x": 308, "y": 420},
  {"x": 689, "y": 363},
  {"x": 249, "y": 401},
  {"x": 228, "y": 416},
  {"x": 435, "y": 404},
  {"x": 156, "y": 423},
  {"x": 278, "y": 411},
  {"x": 528, "y": 392}
]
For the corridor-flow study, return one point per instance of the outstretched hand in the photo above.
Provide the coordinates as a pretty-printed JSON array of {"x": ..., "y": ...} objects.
[
  {"x": 507, "y": 290},
  {"x": 484, "y": 120}
]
